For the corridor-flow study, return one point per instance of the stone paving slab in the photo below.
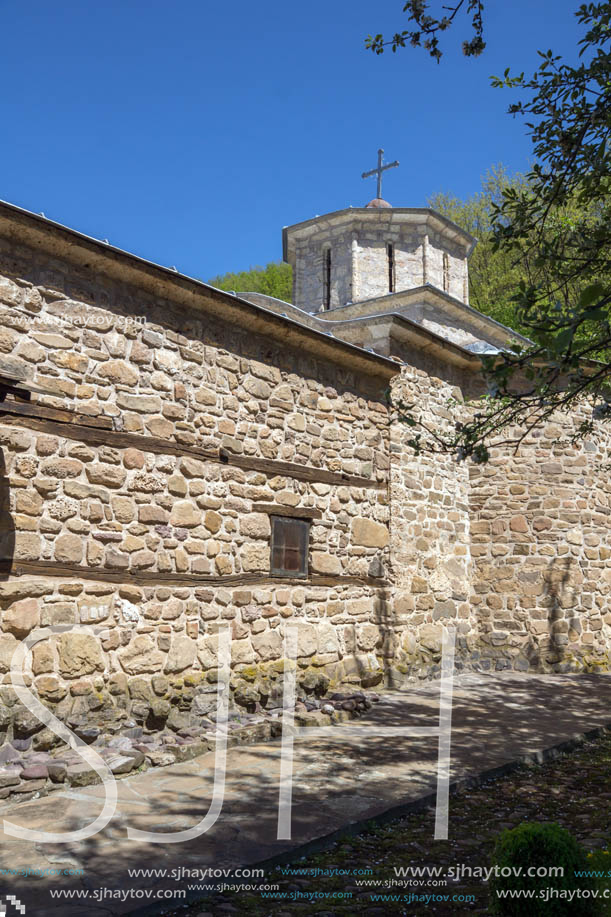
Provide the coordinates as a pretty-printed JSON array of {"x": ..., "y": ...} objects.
[{"x": 497, "y": 719}]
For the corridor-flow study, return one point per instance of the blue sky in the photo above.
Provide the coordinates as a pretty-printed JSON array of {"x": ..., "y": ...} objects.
[{"x": 190, "y": 133}]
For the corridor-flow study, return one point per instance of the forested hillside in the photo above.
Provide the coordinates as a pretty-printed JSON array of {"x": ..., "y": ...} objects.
[{"x": 275, "y": 279}]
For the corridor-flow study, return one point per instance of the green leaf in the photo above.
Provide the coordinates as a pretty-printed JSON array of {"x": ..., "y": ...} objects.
[{"x": 591, "y": 293}]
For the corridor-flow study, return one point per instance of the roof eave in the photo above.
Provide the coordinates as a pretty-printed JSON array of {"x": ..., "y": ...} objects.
[
  {"x": 427, "y": 213},
  {"x": 403, "y": 328},
  {"x": 43, "y": 234},
  {"x": 430, "y": 290}
]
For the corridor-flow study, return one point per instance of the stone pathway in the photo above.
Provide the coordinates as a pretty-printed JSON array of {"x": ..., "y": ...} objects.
[{"x": 496, "y": 720}]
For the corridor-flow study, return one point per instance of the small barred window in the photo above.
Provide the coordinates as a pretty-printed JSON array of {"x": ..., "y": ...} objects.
[{"x": 289, "y": 548}]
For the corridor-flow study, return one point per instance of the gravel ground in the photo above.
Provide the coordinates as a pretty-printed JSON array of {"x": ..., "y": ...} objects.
[{"x": 573, "y": 790}]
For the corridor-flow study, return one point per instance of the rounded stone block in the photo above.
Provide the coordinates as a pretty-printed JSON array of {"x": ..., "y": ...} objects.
[
  {"x": 21, "y": 618},
  {"x": 141, "y": 656},
  {"x": 268, "y": 645},
  {"x": 181, "y": 655},
  {"x": 369, "y": 534},
  {"x": 79, "y": 654}
]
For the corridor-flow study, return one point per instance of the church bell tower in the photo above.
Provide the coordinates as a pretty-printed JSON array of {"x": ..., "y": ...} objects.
[{"x": 363, "y": 253}]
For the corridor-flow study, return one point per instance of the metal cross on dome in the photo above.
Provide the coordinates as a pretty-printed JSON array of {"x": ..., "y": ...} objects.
[{"x": 378, "y": 171}]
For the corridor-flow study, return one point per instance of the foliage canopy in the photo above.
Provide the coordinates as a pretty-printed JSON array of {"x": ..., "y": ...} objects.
[
  {"x": 275, "y": 279},
  {"x": 493, "y": 273},
  {"x": 557, "y": 226}
]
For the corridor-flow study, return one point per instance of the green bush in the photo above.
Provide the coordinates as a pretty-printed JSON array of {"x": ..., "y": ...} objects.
[{"x": 534, "y": 846}]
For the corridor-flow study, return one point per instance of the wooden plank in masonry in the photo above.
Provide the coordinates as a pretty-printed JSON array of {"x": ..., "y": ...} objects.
[
  {"x": 98, "y": 431},
  {"x": 151, "y": 578},
  {"x": 302, "y": 472},
  {"x": 277, "y": 509},
  {"x": 22, "y": 390},
  {"x": 96, "y": 437},
  {"x": 43, "y": 412}
]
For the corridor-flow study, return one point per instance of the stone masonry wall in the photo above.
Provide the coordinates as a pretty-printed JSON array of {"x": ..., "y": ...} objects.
[
  {"x": 188, "y": 378},
  {"x": 541, "y": 543},
  {"x": 412, "y": 269},
  {"x": 147, "y": 552},
  {"x": 430, "y": 536},
  {"x": 359, "y": 264},
  {"x": 308, "y": 273},
  {"x": 514, "y": 554}
]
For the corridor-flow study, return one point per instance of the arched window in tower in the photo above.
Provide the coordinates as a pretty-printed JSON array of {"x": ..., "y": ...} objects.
[
  {"x": 326, "y": 278},
  {"x": 390, "y": 257},
  {"x": 446, "y": 273}
]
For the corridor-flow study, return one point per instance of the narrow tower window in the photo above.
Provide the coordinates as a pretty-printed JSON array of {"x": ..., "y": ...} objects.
[
  {"x": 326, "y": 278},
  {"x": 390, "y": 253},
  {"x": 446, "y": 272}
]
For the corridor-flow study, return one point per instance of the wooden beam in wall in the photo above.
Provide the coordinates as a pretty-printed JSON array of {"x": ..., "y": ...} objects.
[
  {"x": 277, "y": 509},
  {"x": 40, "y": 411},
  {"x": 98, "y": 431},
  {"x": 108, "y": 437},
  {"x": 151, "y": 578},
  {"x": 301, "y": 472}
]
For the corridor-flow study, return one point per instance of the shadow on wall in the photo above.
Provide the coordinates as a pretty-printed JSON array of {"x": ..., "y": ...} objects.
[
  {"x": 550, "y": 639},
  {"x": 563, "y": 617},
  {"x": 7, "y": 525},
  {"x": 556, "y": 580},
  {"x": 386, "y": 620}
]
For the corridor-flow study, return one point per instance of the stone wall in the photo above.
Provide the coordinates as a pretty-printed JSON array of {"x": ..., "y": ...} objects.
[
  {"x": 187, "y": 378},
  {"x": 359, "y": 262},
  {"x": 541, "y": 543},
  {"x": 418, "y": 254},
  {"x": 430, "y": 535},
  {"x": 514, "y": 553},
  {"x": 132, "y": 493},
  {"x": 308, "y": 276}
]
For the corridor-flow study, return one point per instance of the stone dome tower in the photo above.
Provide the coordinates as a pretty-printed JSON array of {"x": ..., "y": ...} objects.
[{"x": 362, "y": 253}]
